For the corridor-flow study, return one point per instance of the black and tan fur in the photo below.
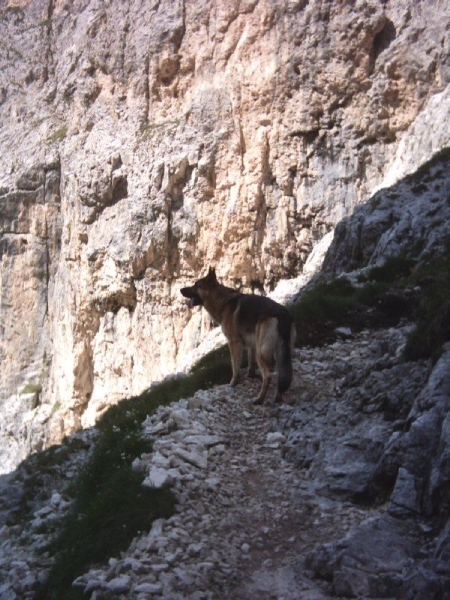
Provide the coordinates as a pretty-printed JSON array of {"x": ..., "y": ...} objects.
[{"x": 260, "y": 325}]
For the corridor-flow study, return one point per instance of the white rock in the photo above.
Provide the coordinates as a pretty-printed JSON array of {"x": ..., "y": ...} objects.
[
  {"x": 160, "y": 567},
  {"x": 149, "y": 588},
  {"x": 157, "y": 528},
  {"x": 56, "y": 499},
  {"x": 275, "y": 437},
  {"x": 212, "y": 482},
  {"x": 158, "y": 478},
  {"x": 344, "y": 332},
  {"x": 181, "y": 417},
  {"x": 193, "y": 458},
  {"x": 204, "y": 440},
  {"x": 120, "y": 584},
  {"x": 194, "y": 549},
  {"x": 160, "y": 461}
]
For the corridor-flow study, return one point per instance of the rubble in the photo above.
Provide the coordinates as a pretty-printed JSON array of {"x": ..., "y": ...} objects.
[{"x": 269, "y": 498}]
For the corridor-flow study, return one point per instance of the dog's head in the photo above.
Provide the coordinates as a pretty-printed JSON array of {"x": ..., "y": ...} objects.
[{"x": 197, "y": 293}]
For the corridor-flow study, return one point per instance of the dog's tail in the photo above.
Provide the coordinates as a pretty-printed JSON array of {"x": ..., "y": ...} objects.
[{"x": 286, "y": 333}]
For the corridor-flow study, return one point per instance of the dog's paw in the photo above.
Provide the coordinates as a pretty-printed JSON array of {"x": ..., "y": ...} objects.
[{"x": 257, "y": 400}]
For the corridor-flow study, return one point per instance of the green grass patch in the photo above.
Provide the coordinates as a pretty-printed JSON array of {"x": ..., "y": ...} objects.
[
  {"x": 112, "y": 517},
  {"x": 56, "y": 407},
  {"x": 14, "y": 10},
  {"x": 149, "y": 129},
  {"x": 325, "y": 302},
  {"x": 110, "y": 504},
  {"x": 398, "y": 288},
  {"x": 433, "y": 316},
  {"x": 31, "y": 388},
  {"x": 45, "y": 23},
  {"x": 58, "y": 135},
  {"x": 393, "y": 269},
  {"x": 333, "y": 304}
]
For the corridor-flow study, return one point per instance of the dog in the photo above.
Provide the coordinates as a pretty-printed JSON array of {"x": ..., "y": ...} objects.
[{"x": 260, "y": 325}]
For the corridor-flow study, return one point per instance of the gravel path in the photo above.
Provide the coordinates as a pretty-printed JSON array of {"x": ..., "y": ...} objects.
[
  {"x": 246, "y": 515},
  {"x": 258, "y": 487}
]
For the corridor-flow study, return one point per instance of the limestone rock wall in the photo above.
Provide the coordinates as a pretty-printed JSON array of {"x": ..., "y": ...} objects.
[{"x": 142, "y": 141}]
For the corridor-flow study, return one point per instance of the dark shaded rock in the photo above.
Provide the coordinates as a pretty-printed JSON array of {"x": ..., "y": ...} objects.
[
  {"x": 393, "y": 223},
  {"x": 31, "y": 179},
  {"x": 370, "y": 560},
  {"x": 424, "y": 583},
  {"x": 423, "y": 449},
  {"x": 406, "y": 496},
  {"x": 384, "y": 556}
]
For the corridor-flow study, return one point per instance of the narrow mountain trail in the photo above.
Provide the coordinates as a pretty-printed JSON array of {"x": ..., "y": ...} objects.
[
  {"x": 273, "y": 517},
  {"x": 261, "y": 491},
  {"x": 247, "y": 513}
]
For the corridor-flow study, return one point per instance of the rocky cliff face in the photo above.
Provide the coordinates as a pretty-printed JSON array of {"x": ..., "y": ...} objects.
[{"x": 143, "y": 141}]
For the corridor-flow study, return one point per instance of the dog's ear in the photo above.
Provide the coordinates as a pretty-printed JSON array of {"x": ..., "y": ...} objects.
[{"x": 212, "y": 273}]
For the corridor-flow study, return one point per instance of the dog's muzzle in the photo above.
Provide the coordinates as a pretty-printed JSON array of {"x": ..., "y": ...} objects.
[{"x": 193, "y": 298}]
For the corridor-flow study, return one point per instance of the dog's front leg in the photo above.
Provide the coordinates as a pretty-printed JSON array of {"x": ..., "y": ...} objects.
[{"x": 236, "y": 359}]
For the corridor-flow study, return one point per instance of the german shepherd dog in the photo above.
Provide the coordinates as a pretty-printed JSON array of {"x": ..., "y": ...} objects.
[{"x": 259, "y": 324}]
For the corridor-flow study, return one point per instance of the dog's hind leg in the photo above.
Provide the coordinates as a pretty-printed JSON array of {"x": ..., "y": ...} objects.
[
  {"x": 266, "y": 375},
  {"x": 284, "y": 358},
  {"x": 236, "y": 359},
  {"x": 266, "y": 339},
  {"x": 251, "y": 362}
]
